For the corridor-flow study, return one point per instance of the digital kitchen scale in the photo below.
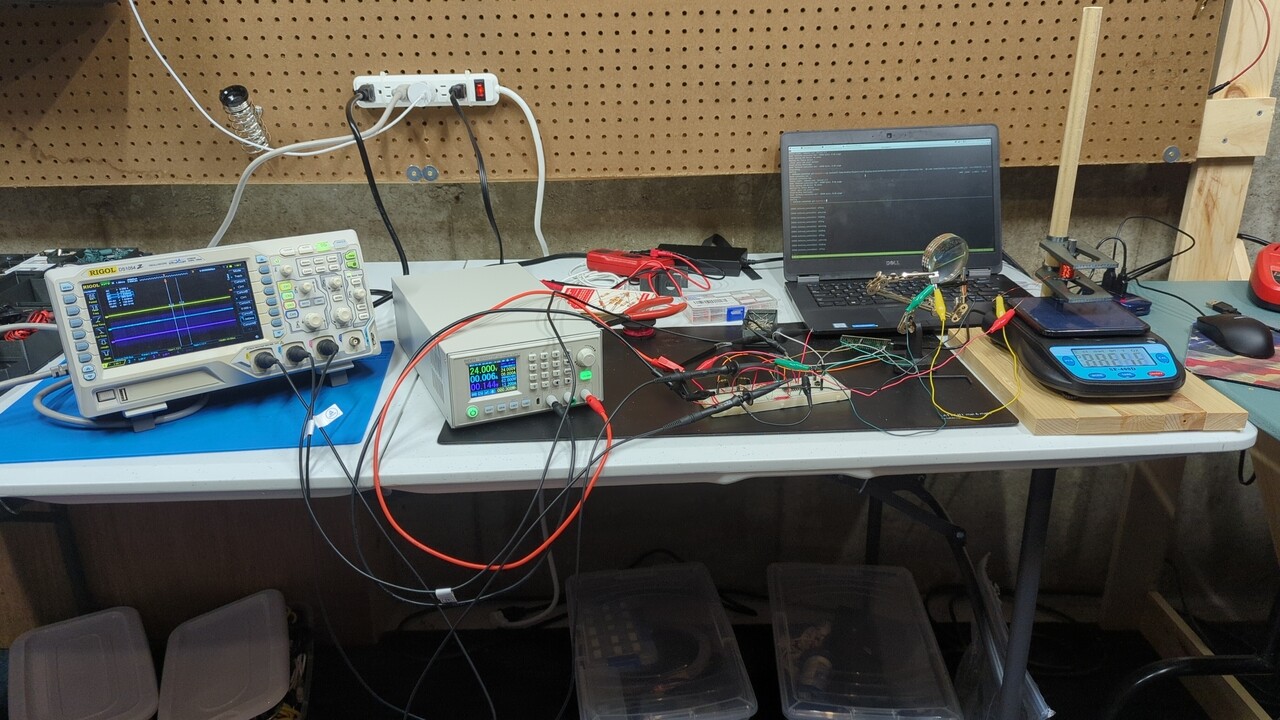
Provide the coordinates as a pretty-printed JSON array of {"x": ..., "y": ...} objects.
[{"x": 1131, "y": 366}]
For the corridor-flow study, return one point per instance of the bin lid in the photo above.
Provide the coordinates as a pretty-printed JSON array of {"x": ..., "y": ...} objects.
[
  {"x": 228, "y": 664},
  {"x": 92, "y": 667}
]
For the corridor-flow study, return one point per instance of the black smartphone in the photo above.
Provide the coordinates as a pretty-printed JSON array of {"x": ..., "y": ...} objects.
[{"x": 1052, "y": 317}]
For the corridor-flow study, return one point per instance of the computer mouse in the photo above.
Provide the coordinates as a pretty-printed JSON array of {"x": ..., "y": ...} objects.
[{"x": 1240, "y": 334}]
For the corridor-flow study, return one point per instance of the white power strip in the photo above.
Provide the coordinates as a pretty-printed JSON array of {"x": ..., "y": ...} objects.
[{"x": 429, "y": 90}]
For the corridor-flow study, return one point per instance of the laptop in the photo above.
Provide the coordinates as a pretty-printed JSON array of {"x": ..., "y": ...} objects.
[{"x": 858, "y": 202}]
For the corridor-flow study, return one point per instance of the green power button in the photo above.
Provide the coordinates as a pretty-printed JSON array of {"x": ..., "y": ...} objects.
[
  {"x": 584, "y": 376},
  {"x": 473, "y": 411}
]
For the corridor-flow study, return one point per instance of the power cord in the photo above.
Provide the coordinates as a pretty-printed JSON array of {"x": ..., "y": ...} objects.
[
  {"x": 366, "y": 93},
  {"x": 460, "y": 91},
  {"x": 542, "y": 165},
  {"x": 1115, "y": 282},
  {"x": 325, "y": 145}
]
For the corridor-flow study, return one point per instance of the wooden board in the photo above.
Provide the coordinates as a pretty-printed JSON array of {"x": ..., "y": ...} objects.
[{"x": 1195, "y": 407}]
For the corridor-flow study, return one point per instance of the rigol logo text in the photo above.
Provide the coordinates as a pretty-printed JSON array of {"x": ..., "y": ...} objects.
[{"x": 101, "y": 271}]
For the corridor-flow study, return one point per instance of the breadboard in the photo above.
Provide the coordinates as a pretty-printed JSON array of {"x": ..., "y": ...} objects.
[
  {"x": 824, "y": 390},
  {"x": 626, "y": 89},
  {"x": 1194, "y": 407}
]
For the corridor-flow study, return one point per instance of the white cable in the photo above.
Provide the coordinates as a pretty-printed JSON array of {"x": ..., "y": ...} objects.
[
  {"x": 581, "y": 275},
  {"x": 542, "y": 165},
  {"x": 37, "y": 402},
  {"x": 146, "y": 35},
  {"x": 133, "y": 5},
  {"x": 27, "y": 326},
  {"x": 375, "y": 130},
  {"x": 501, "y": 619},
  {"x": 333, "y": 143},
  {"x": 55, "y": 371}
]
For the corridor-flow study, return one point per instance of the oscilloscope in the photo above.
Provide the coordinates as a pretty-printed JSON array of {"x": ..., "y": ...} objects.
[{"x": 140, "y": 332}]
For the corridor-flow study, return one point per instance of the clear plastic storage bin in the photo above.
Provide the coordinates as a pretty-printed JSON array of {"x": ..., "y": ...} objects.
[
  {"x": 654, "y": 643},
  {"x": 855, "y": 642},
  {"x": 228, "y": 664},
  {"x": 726, "y": 306},
  {"x": 92, "y": 667}
]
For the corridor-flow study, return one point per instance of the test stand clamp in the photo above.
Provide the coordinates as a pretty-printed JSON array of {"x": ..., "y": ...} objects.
[
  {"x": 140, "y": 332},
  {"x": 502, "y": 365}
]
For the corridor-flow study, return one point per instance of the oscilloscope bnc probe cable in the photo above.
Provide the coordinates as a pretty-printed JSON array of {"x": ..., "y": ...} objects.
[
  {"x": 306, "y": 436},
  {"x": 305, "y": 442}
]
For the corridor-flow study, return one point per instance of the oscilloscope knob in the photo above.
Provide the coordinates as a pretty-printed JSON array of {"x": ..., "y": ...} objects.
[
  {"x": 334, "y": 282},
  {"x": 313, "y": 321},
  {"x": 286, "y": 271},
  {"x": 306, "y": 287},
  {"x": 342, "y": 316},
  {"x": 359, "y": 294}
]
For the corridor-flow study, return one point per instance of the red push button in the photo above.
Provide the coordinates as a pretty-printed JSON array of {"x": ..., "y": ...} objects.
[{"x": 1155, "y": 373}]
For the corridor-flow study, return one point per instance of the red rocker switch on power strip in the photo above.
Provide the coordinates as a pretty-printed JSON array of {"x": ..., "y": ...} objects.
[{"x": 620, "y": 262}]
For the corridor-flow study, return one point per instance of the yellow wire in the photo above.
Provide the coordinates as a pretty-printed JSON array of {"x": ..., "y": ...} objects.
[{"x": 1017, "y": 384}]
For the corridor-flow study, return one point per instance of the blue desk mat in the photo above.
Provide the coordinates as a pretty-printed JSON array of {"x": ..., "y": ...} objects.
[{"x": 261, "y": 416}]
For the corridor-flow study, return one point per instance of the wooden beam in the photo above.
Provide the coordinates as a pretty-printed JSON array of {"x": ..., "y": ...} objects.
[
  {"x": 1211, "y": 214},
  {"x": 1222, "y": 697},
  {"x": 1217, "y": 187},
  {"x": 1073, "y": 128},
  {"x": 1236, "y": 127}
]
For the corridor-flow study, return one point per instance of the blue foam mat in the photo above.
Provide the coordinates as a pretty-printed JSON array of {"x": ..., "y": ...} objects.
[{"x": 260, "y": 416}]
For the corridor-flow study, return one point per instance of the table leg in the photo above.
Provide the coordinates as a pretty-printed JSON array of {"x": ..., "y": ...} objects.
[{"x": 1035, "y": 530}]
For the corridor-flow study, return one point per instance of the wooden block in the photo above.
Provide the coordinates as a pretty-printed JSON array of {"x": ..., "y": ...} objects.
[
  {"x": 1045, "y": 412},
  {"x": 1236, "y": 127}
]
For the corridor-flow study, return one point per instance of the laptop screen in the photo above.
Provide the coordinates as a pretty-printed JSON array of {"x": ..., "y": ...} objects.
[{"x": 860, "y": 201}]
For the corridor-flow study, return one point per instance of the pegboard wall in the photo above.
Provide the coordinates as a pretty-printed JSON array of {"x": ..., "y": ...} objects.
[{"x": 628, "y": 88}]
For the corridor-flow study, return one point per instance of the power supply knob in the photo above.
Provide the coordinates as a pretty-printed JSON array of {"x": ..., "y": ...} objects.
[
  {"x": 306, "y": 287},
  {"x": 313, "y": 321},
  {"x": 334, "y": 282},
  {"x": 286, "y": 271},
  {"x": 342, "y": 316},
  {"x": 586, "y": 357},
  {"x": 359, "y": 294}
]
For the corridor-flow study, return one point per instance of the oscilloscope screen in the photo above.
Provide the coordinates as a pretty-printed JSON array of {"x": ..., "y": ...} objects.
[{"x": 147, "y": 317}]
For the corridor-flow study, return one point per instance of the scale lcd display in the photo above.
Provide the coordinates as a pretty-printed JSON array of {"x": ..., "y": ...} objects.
[
  {"x": 1113, "y": 357},
  {"x": 173, "y": 312},
  {"x": 491, "y": 377}
]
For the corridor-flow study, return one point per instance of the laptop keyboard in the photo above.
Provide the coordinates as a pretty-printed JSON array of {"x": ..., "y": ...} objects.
[{"x": 852, "y": 293}]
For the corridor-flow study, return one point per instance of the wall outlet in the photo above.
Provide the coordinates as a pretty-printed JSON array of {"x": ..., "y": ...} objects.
[{"x": 429, "y": 90}]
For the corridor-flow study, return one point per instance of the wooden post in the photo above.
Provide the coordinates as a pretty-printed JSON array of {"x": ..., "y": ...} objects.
[
  {"x": 1073, "y": 132},
  {"x": 1218, "y": 186}
]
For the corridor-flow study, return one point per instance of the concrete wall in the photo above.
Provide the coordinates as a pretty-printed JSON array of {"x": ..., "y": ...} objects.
[{"x": 1223, "y": 548}]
